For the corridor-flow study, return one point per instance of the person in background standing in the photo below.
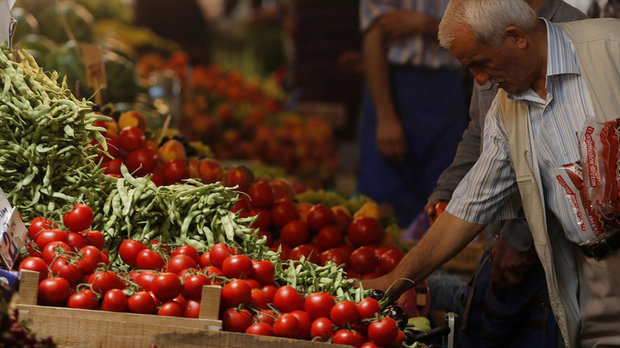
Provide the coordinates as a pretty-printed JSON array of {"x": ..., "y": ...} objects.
[{"x": 414, "y": 109}]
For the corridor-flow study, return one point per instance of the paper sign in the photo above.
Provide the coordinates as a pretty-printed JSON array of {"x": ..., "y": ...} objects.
[
  {"x": 95, "y": 68},
  {"x": 12, "y": 232}
]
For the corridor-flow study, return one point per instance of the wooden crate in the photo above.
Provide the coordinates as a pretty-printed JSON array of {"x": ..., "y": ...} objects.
[{"x": 82, "y": 328}]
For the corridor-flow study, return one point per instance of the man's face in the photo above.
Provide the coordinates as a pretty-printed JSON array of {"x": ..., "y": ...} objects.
[{"x": 507, "y": 66}]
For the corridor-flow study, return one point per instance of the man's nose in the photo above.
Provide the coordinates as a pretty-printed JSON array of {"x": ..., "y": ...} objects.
[{"x": 480, "y": 76}]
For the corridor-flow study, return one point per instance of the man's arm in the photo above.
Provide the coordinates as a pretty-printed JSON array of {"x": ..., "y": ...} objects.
[{"x": 446, "y": 237}]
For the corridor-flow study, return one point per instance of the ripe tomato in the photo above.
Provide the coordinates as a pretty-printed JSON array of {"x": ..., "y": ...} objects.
[
  {"x": 263, "y": 218},
  {"x": 70, "y": 271},
  {"x": 145, "y": 279},
  {"x": 304, "y": 324},
  {"x": 365, "y": 231},
  {"x": 47, "y": 236},
  {"x": 141, "y": 302},
  {"x": 39, "y": 224},
  {"x": 112, "y": 166},
  {"x": 170, "y": 309},
  {"x": 318, "y": 304},
  {"x": 189, "y": 251},
  {"x": 128, "y": 251},
  {"x": 166, "y": 286},
  {"x": 192, "y": 286},
  {"x": 179, "y": 263},
  {"x": 383, "y": 332},
  {"x": 236, "y": 320},
  {"x": 390, "y": 259},
  {"x": 369, "y": 345},
  {"x": 269, "y": 291},
  {"x": 104, "y": 281},
  {"x": 265, "y": 316},
  {"x": 263, "y": 271},
  {"x": 295, "y": 233},
  {"x": 54, "y": 291},
  {"x": 53, "y": 250},
  {"x": 236, "y": 292},
  {"x": 319, "y": 216},
  {"x": 141, "y": 161},
  {"x": 263, "y": 234},
  {"x": 287, "y": 325},
  {"x": 287, "y": 299},
  {"x": 348, "y": 337},
  {"x": 343, "y": 313},
  {"x": 284, "y": 250},
  {"x": 191, "y": 309},
  {"x": 311, "y": 252},
  {"x": 205, "y": 259},
  {"x": 94, "y": 238},
  {"x": 336, "y": 255},
  {"x": 364, "y": 260},
  {"x": 218, "y": 253},
  {"x": 261, "y": 195},
  {"x": 175, "y": 171},
  {"x": 79, "y": 218},
  {"x": 131, "y": 138},
  {"x": 149, "y": 259},
  {"x": 37, "y": 264},
  {"x": 85, "y": 299},
  {"x": 114, "y": 300},
  {"x": 89, "y": 259},
  {"x": 261, "y": 329},
  {"x": 368, "y": 307},
  {"x": 323, "y": 328},
  {"x": 283, "y": 212},
  {"x": 76, "y": 241},
  {"x": 237, "y": 266},
  {"x": 329, "y": 237},
  {"x": 258, "y": 299}
]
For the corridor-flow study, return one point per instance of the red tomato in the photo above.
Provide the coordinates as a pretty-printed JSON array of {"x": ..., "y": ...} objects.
[
  {"x": 218, "y": 253},
  {"x": 236, "y": 320},
  {"x": 364, "y": 260},
  {"x": 323, "y": 328},
  {"x": 53, "y": 250},
  {"x": 70, "y": 271},
  {"x": 318, "y": 304},
  {"x": 85, "y": 299},
  {"x": 261, "y": 329},
  {"x": 343, "y": 313},
  {"x": 295, "y": 233},
  {"x": 287, "y": 299},
  {"x": 329, "y": 237},
  {"x": 205, "y": 259},
  {"x": 258, "y": 299},
  {"x": 94, "y": 238},
  {"x": 103, "y": 281},
  {"x": 89, "y": 259},
  {"x": 141, "y": 302},
  {"x": 35, "y": 264},
  {"x": 263, "y": 218},
  {"x": 47, "y": 236},
  {"x": 149, "y": 259},
  {"x": 114, "y": 300},
  {"x": 265, "y": 316},
  {"x": 187, "y": 250},
  {"x": 263, "y": 271},
  {"x": 39, "y": 224},
  {"x": 287, "y": 325},
  {"x": 179, "y": 263},
  {"x": 192, "y": 286},
  {"x": 337, "y": 256},
  {"x": 79, "y": 218},
  {"x": 283, "y": 212},
  {"x": 237, "y": 266},
  {"x": 236, "y": 292},
  {"x": 170, "y": 309},
  {"x": 175, "y": 171},
  {"x": 269, "y": 291},
  {"x": 284, "y": 250},
  {"x": 166, "y": 286},
  {"x": 253, "y": 283},
  {"x": 369, "y": 345},
  {"x": 191, "y": 309},
  {"x": 261, "y": 195},
  {"x": 112, "y": 166},
  {"x": 263, "y": 234},
  {"x": 383, "y": 332},
  {"x": 128, "y": 251},
  {"x": 304, "y": 324},
  {"x": 368, "y": 307},
  {"x": 54, "y": 291},
  {"x": 76, "y": 241},
  {"x": 145, "y": 279},
  {"x": 365, "y": 231},
  {"x": 319, "y": 216},
  {"x": 141, "y": 161},
  {"x": 311, "y": 252},
  {"x": 131, "y": 138},
  {"x": 390, "y": 259},
  {"x": 349, "y": 338}
]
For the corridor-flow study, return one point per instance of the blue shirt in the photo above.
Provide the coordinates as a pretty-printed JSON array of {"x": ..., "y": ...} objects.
[
  {"x": 553, "y": 124},
  {"x": 417, "y": 50}
]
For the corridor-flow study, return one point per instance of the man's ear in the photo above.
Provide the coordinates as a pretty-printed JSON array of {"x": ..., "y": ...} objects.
[{"x": 517, "y": 35}]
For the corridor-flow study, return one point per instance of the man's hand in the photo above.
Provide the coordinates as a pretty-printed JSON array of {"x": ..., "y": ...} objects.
[
  {"x": 509, "y": 266},
  {"x": 396, "y": 288},
  {"x": 391, "y": 140},
  {"x": 398, "y": 23}
]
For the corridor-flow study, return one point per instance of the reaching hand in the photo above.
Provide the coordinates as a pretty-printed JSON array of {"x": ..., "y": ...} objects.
[
  {"x": 391, "y": 140},
  {"x": 509, "y": 266},
  {"x": 398, "y": 23}
]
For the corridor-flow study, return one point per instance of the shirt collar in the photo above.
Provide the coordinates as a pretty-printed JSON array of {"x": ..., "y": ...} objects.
[{"x": 561, "y": 58}]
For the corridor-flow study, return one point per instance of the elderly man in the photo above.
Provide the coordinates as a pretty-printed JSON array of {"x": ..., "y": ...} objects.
[{"x": 551, "y": 78}]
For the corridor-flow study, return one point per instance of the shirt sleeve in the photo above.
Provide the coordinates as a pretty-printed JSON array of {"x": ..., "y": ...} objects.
[
  {"x": 481, "y": 197},
  {"x": 370, "y": 10}
]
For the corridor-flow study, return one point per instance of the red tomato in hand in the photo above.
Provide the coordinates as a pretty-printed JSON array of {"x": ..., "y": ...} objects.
[{"x": 79, "y": 218}]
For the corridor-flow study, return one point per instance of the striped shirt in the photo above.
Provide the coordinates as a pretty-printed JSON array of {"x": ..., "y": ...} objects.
[
  {"x": 418, "y": 49},
  {"x": 553, "y": 124}
]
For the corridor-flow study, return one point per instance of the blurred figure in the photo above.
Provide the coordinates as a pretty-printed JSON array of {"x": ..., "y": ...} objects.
[{"x": 414, "y": 110}]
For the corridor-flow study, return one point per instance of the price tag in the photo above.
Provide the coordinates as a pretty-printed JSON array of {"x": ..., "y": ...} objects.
[
  {"x": 95, "y": 67},
  {"x": 12, "y": 232}
]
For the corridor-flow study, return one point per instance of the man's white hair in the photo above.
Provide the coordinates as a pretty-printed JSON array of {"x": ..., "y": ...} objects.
[{"x": 487, "y": 18}]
